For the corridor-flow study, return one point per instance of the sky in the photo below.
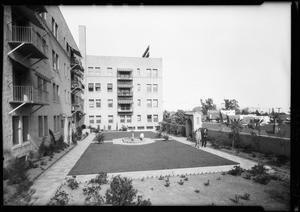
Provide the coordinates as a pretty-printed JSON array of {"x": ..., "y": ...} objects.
[{"x": 218, "y": 52}]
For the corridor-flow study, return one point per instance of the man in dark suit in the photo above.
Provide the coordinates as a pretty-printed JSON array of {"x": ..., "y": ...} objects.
[{"x": 204, "y": 136}]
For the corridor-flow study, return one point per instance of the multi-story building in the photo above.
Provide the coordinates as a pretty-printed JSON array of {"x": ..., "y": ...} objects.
[
  {"x": 39, "y": 55},
  {"x": 122, "y": 91}
]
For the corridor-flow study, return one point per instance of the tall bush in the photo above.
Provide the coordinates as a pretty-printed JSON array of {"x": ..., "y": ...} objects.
[{"x": 122, "y": 193}]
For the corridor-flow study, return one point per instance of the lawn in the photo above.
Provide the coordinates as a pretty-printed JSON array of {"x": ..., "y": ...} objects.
[{"x": 159, "y": 155}]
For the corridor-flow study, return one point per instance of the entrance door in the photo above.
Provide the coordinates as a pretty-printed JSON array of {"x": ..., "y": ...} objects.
[{"x": 25, "y": 128}]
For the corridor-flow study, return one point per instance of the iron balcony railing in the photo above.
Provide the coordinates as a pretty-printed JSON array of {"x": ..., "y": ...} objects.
[
  {"x": 125, "y": 85},
  {"x": 125, "y": 93},
  {"x": 125, "y": 109},
  {"x": 30, "y": 94},
  {"x": 124, "y": 76},
  {"x": 28, "y": 35}
]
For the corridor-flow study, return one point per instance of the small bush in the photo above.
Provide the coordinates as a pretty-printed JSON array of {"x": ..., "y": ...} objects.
[
  {"x": 100, "y": 179},
  {"x": 72, "y": 183},
  {"x": 121, "y": 192},
  {"x": 92, "y": 195},
  {"x": 248, "y": 177},
  {"x": 181, "y": 182},
  {"x": 247, "y": 148},
  {"x": 166, "y": 137},
  {"x": 236, "y": 171},
  {"x": 258, "y": 169},
  {"x": 16, "y": 171},
  {"x": 161, "y": 177},
  {"x": 262, "y": 179},
  {"x": 246, "y": 196},
  {"x": 60, "y": 198},
  {"x": 158, "y": 134},
  {"x": 99, "y": 138}
]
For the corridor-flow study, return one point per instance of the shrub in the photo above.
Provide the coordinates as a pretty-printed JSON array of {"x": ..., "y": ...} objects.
[
  {"x": 235, "y": 171},
  {"x": 86, "y": 133},
  {"x": 166, "y": 137},
  {"x": 181, "y": 182},
  {"x": 16, "y": 171},
  {"x": 97, "y": 130},
  {"x": 124, "y": 128},
  {"x": 60, "y": 198},
  {"x": 158, "y": 134},
  {"x": 121, "y": 192},
  {"x": 92, "y": 195},
  {"x": 247, "y": 148},
  {"x": 161, "y": 177},
  {"x": 99, "y": 138},
  {"x": 101, "y": 178},
  {"x": 258, "y": 169},
  {"x": 141, "y": 202},
  {"x": 246, "y": 196},
  {"x": 72, "y": 183},
  {"x": 262, "y": 178}
]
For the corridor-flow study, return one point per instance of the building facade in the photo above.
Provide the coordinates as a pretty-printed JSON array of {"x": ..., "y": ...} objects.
[
  {"x": 122, "y": 92},
  {"x": 40, "y": 57}
]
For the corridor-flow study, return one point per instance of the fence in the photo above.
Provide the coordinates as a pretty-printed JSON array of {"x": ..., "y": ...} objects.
[{"x": 263, "y": 144}]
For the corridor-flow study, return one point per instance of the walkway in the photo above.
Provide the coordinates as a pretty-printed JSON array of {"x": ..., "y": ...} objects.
[{"x": 47, "y": 184}]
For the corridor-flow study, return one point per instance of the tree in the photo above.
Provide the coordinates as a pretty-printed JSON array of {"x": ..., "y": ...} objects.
[
  {"x": 166, "y": 116},
  {"x": 257, "y": 113},
  {"x": 197, "y": 109},
  {"x": 232, "y": 105},
  {"x": 178, "y": 117},
  {"x": 236, "y": 127},
  {"x": 206, "y": 105},
  {"x": 245, "y": 111}
]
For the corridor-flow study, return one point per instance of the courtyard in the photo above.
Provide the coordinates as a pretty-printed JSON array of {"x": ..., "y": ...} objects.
[{"x": 205, "y": 170}]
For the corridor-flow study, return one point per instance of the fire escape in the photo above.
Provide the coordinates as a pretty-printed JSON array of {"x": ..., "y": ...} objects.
[{"x": 28, "y": 47}]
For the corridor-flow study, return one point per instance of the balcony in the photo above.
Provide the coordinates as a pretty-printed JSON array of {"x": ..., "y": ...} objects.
[
  {"x": 32, "y": 46},
  {"x": 125, "y": 101},
  {"x": 125, "y": 85},
  {"x": 125, "y": 93},
  {"x": 124, "y": 77},
  {"x": 77, "y": 64},
  {"x": 125, "y": 110},
  {"x": 30, "y": 95}
]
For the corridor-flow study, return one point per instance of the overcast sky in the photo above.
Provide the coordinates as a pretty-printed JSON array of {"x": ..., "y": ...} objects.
[{"x": 218, "y": 52}]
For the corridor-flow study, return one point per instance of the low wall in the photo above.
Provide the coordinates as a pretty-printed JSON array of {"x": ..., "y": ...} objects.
[{"x": 262, "y": 144}]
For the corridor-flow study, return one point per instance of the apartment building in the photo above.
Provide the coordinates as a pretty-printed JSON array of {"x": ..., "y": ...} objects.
[
  {"x": 122, "y": 91},
  {"x": 41, "y": 62}
]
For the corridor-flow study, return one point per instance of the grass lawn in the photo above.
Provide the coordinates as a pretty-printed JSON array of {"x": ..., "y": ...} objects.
[{"x": 159, "y": 155}]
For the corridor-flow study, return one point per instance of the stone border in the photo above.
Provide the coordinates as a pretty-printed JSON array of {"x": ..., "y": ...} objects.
[{"x": 119, "y": 141}]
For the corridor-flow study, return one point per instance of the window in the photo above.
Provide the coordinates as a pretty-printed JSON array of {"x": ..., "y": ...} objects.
[
  {"x": 149, "y": 127},
  {"x": 65, "y": 70},
  {"x": 139, "y": 118},
  {"x": 139, "y": 102},
  {"x": 54, "y": 92},
  {"x": 91, "y": 87},
  {"x": 155, "y": 103},
  {"x": 25, "y": 128},
  {"x": 97, "y": 71},
  {"x": 98, "y": 103},
  {"x": 128, "y": 119},
  {"x": 54, "y": 28},
  {"x": 122, "y": 119},
  {"x": 148, "y": 72},
  {"x": 155, "y": 118},
  {"x": 149, "y": 118},
  {"x": 62, "y": 124},
  {"x": 110, "y": 103},
  {"x": 57, "y": 93},
  {"x": 40, "y": 121},
  {"x": 16, "y": 129},
  {"x": 138, "y": 72},
  {"x": 198, "y": 121},
  {"x": 91, "y": 103},
  {"x": 109, "y": 71},
  {"x": 54, "y": 123},
  {"x": 90, "y": 70},
  {"x": 55, "y": 61},
  {"x": 140, "y": 127},
  {"x": 149, "y": 103},
  {"x": 110, "y": 118},
  {"x": 154, "y": 73},
  {"x": 149, "y": 87},
  {"x": 98, "y": 119},
  {"x": 91, "y": 119},
  {"x": 97, "y": 87},
  {"x": 155, "y": 88},
  {"x": 138, "y": 87},
  {"x": 45, "y": 125},
  {"x": 109, "y": 87}
]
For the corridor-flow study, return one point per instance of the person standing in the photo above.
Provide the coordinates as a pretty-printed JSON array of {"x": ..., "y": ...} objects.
[
  {"x": 204, "y": 137},
  {"x": 198, "y": 138}
]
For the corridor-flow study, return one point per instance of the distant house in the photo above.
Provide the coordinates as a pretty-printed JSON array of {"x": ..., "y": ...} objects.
[
  {"x": 228, "y": 112},
  {"x": 213, "y": 114}
]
